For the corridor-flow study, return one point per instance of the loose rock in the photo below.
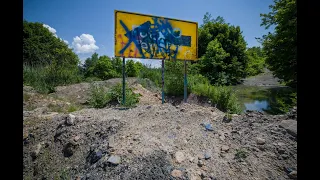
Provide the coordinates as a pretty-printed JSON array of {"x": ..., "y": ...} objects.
[
  {"x": 290, "y": 126},
  {"x": 70, "y": 119},
  {"x": 176, "y": 173},
  {"x": 293, "y": 175},
  {"x": 111, "y": 142},
  {"x": 179, "y": 157},
  {"x": 207, "y": 155},
  {"x": 115, "y": 160},
  {"x": 260, "y": 141},
  {"x": 200, "y": 163},
  {"x": 224, "y": 148},
  {"x": 35, "y": 153}
]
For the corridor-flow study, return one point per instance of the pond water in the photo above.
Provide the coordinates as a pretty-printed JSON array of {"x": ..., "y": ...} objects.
[{"x": 271, "y": 100}]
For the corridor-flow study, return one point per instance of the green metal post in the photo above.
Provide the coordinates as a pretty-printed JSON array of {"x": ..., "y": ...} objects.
[
  {"x": 162, "y": 80},
  {"x": 185, "y": 81},
  {"x": 123, "y": 81}
]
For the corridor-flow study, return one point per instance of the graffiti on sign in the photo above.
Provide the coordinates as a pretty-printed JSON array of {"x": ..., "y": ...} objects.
[{"x": 151, "y": 37}]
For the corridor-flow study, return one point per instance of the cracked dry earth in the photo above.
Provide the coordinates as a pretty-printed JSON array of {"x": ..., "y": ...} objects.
[{"x": 159, "y": 141}]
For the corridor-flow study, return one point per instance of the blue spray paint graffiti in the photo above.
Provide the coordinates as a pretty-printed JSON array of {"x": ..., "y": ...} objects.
[{"x": 157, "y": 40}]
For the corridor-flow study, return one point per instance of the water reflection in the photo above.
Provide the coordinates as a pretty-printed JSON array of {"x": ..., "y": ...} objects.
[
  {"x": 256, "y": 105},
  {"x": 272, "y": 100}
]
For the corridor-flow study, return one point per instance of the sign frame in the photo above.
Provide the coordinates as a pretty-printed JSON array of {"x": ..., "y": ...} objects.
[{"x": 162, "y": 17}]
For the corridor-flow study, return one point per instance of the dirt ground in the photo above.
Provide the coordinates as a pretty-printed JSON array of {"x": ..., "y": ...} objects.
[{"x": 152, "y": 140}]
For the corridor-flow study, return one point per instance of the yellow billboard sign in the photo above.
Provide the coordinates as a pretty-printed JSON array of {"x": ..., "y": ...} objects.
[{"x": 153, "y": 37}]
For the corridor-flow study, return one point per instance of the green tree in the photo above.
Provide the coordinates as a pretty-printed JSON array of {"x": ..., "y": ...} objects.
[
  {"x": 89, "y": 65},
  {"x": 281, "y": 45},
  {"x": 174, "y": 77},
  {"x": 103, "y": 68},
  {"x": 117, "y": 65},
  {"x": 41, "y": 47},
  {"x": 139, "y": 67},
  {"x": 222, "y": 51},
  {"x": 131, "y": 69},
  {"x": 256, "y": 61},
  {"x": 47, "y": 60}
]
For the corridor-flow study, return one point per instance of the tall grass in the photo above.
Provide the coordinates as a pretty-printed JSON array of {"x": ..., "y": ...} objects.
[
  {"x": 45, "y": 79},
  {"x": 220, "y": 96},
  {"x": 100, "y": 96},
  {"x": 154, "y": 74}
]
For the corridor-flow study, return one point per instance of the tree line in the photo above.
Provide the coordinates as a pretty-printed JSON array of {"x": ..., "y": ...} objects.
[{"x": 224, "y": 58}]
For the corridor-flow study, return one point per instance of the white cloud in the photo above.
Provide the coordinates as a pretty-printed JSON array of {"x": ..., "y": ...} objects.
[
  {"x": 65, "y": 41},
  {"x": 137, "y": 60},
  {"x": 51, "y": 29},
  {"x": 84, "y": 44},
  {"x": 54, "y": 31}
]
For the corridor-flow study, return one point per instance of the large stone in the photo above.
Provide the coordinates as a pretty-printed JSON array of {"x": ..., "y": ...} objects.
[
  {"x": 260, "y": 141},
  {"x": 224, "y": 148},
  {"x": 70, "y": 119},
  {"x": 207, "y": 155},
  {"x": 179, "y": 157},
  {"x": 95, "y": 156},
  {"x": 111, "y": 143},
  {"x": 176, "y": 173},
  {"x": 293, "y": 175},
  {"x": 36, "y": 151},
  {"x": 290, "y": 126},
  {"x": 115, "y": 160}
]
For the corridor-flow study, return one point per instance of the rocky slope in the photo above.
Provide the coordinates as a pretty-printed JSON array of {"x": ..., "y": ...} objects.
[{"x": 155, "y": 141}]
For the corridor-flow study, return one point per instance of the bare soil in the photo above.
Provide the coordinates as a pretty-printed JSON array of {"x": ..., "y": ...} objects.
[{"x": 152, "y": 139}]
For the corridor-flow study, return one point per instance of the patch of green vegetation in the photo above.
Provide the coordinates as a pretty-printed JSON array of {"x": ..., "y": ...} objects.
[
  {"x": 100, "y": 97},
  {"x": 30, "y": 107},
  {"x": 26, "y": 97},
  {"x": 241, "y": 154},
  {"x": 148, "y": 84},
  {"x": 73, "y": 108},
  {"x": 65, "y": 175},
  {"x": 56, "y": 108},
  {"x": 131, "y": 98},
  {"x": 221, "y": 96}
]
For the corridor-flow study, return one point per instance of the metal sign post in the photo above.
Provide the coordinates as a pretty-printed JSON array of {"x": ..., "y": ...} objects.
[
  {"x": 185, "y": 81},
  {"x": 123, "y": 81},
  {"x": 162, "y": 68}
]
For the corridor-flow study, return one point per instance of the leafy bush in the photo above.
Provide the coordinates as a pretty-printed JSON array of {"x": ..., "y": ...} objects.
[
  {"x": 116, "y": 95},
  {"x": 45, "y": 79},
  {"x": 240, "y": 154},
  {"x": 221, "y": 96},
  {"x": 174, "y": 78},
  {"x": 92, "y": 79},
  {"x": 99, "y": 97},
  {"x": 151, "y": 73},
  {"x": 256, "y": 61},
  {"x": 222, "y": 51},
  {"x": 148, "y": 84}
]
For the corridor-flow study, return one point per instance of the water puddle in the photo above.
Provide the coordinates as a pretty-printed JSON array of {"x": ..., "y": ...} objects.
[{"x": 272, "y": 100}]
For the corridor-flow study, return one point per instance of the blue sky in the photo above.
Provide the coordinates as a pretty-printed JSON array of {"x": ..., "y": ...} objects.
[{"x": 69, "y": 19}]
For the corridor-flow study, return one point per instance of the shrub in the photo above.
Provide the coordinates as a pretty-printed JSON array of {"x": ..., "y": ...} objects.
[
  {"x": 240, "y": 154},
  {"x": 116, "y": 95},
  {"x": 152, "y": 74},
  {"x": 221, "y": 96},
  {"x": 45, "y": 79},
  {"x": 98, "y": 96}
]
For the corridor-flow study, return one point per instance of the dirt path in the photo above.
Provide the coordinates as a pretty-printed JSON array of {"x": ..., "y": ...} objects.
[{"x": 264, "y": 79}]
